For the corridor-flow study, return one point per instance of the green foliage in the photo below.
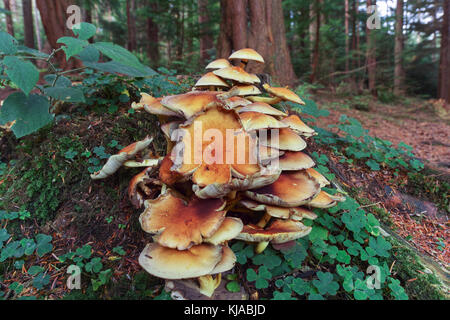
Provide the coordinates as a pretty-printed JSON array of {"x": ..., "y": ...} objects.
[
  {"x": 32, "y": 112},
  {"x": 374, "y": 152}
]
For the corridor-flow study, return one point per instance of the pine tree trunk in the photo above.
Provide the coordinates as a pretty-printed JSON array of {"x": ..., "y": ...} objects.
[
  {"x": 444, "y": 64},
  {"x": 54, "y": 17},
  {"x": 28, "y": 23},
  {"x": 315, "y": 55},
  {"x": 370, "y": 56},
  {"x": 259, "y": 25},
  {"x": 224, "y": 43},
  {"x": 206, "y": 39},
  {"x": 153, "y": 37},
  {"x": 131, "y": 23},
  {"x": 398, "y": 50},
  {"x": 347, "y": 35},
  {"x": 37, "y": 26},
  {"x": 9, "y": 18}
]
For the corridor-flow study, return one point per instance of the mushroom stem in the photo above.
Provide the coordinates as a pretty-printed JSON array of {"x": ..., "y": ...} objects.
[
  {"x": 261, "y": 246},
  {"x": 264, "y": 220},
  {"x": 208, "y": 284},
  {"x": 212, "y": 88},
  {"x": 269, "y": 100},
  {"x": 243, "y": 64}
]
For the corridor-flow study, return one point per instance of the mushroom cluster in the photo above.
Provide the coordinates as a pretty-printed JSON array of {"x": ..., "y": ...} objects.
[{"x": 235, "y": 168}]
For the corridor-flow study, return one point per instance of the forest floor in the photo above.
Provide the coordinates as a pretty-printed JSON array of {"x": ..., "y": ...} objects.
[{"x": 417, "y": 123}]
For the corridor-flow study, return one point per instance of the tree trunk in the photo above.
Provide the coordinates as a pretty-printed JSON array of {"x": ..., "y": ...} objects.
[
  {"x": 28, "y": 23},
  {"x": 131, "y": 23},
  {"x": 206, "y": 38},
  {"x": 370, "y": 56},
  {"x": 259, "y": 25},
  {"x": 315, "y": 55},
  {"x": 347, "y": 35},
  {"x": 444, "y": 64},
  {"x": 153, "y": 37},
  {"x": 398, "y": 51},
  {"x": 9, "y": 18},
  {"x": 224, "y": 43},
  {"x": 37, "y": 26},
  {"x": 54, "y": 17}
]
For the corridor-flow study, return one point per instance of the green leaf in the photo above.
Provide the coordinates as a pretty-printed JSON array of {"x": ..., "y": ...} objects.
[
  {"x": 300, "y": 286},
  {"x": 118, "y": 54},
  {"x": 65, "y": 94},
  {"x": 34, "y": 270},
  {"x": 95, "y": 265},
  {"x": 43, "y": 244},
  {"x": 41, "y": 281},
  {"x": 29, "y": 245},
  {"x": 380, "y": 245},
  {"x": 282, "y": 296},
  {"x": 119, "y": 250},
  {"x": 84, "y": 251},
  {"x": 4, "y": 235},
  {"x": 325, "y": 284},
  {"x": 233, "y": 286},
  {"x": 23, "y": 73},
  {"x": 73, "y": 46},
  {"x": 89, "y": 54},
  {"x": 318, "y": 233},
  {"x": 84, "y": 30},
  {"x": 119, "y": 68},
  {"x": 8, "y": 44},
  {"x": 30, "y": 113},
  {"x": 343, "y": 257},
  {"x": 372, "y": 164}
]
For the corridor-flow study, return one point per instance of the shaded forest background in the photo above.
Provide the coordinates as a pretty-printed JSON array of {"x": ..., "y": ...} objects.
[{"x": 323, "y": 43}]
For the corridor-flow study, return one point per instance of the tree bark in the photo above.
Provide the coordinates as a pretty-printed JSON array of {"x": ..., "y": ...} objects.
[
  {"x": 206, "y": 38},
  {"x": 27, "y": 9},
  {"x": 315, "y": 55},
  {"x": 153, "y": 37},
  {"x": 54, "y": 17},
  {"x": 131, "y": 23},
  {"x": 398, "y": 50},
  {"x": 370, "y": 56},
  {"x": 9, "y": 18},
  {"x": 347, "y": 35},
  {"x": 444, "y": 63},
  {"x": 259, "y": 25},
  {"x": 37, "y": 26},
  {"x": 224, "y": 43}
]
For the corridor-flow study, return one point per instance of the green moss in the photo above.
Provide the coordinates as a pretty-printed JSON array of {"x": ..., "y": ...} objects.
[
  {"x": 422, "y": 185},
  {"x": 408, "y": 266}
]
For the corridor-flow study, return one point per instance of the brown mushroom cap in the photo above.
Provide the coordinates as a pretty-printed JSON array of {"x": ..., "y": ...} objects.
[
  {"x": 219, "y": 64},
  {"x": 166, "y": 175},
  {"x": 235, "y": 148},
  {"x": 210, "y": 79},
  {"x": 280, "y": 231},
  {"x": 228, "y": 230},
  {"x": 295, "y": 160},
  {"x": 292, "y": 189},
  {"x": 245, "y": 90},
  {"x": 262, "y": 107},
  {"x": 325, "y": 200},
  {"x": 227, "y": 262},
  {"x": 287, "y": 140},
  {"x": 170, "y": 263},
  {"x": 135, "y": 196},
  {"x": 153, "y": 106},
  {"x": 236, "y": 74},
  {"x": 180, "y": 225},
  {"x": 295, "y": 123},
  {"x": 246, "y": 54},
  {"x": 256, "y": 121},
  {"x": 297, "y": 213},
  {"x": 318, "y": 176},
  {"x": 283, "y": 93},
  {"x": 236, "y": 101},
  {"x": 191, "y": 103}
]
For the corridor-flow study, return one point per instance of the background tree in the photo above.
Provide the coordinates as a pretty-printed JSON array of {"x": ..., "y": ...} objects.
[
  {"x": 444, "y": 65},
  {"x": 9, "y": 18},
  {"x": 28, "y": 23}
]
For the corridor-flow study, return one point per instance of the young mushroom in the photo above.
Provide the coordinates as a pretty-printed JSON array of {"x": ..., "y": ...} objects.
[{"x": 211, "y": 81}]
